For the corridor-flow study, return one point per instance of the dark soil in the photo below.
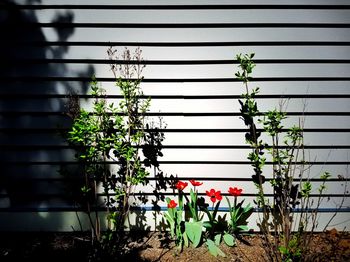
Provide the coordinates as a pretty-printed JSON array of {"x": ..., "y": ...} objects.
[{"x": 155, "y": 246}]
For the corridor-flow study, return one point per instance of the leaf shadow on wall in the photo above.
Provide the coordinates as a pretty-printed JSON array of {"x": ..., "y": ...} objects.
[{"x": 31, "y": 110}]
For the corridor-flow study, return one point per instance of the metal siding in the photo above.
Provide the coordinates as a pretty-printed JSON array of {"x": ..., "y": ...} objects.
[{"x": 191, "y": 77}]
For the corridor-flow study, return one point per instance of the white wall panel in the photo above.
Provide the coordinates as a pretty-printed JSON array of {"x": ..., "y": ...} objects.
[
  {"x": 201, "y": 34},
  {"x": 197, "y": 113},
  {"x": 213, "y": 53}
]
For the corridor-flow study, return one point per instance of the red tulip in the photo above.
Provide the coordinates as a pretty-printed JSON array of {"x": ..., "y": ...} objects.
[
  {"x": 181, "y": 185},
  {"x": 214, "y": 195},
  {"x": 235, "y": 191},
  {"x": 172, "y": 204},
  {"x": 196, "y": 183}
]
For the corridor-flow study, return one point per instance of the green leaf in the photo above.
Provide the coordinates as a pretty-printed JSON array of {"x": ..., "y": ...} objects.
[
  {"x": 193, "y": 196},
  {"x": 169, "y": 218},
  {"x": 229, "y": 240},
  {"x": 243, "y": 227},
  {"x": 171, "y": 223},
  {"x": 178, "y": 216},
  {"x": 194, "y": 232},
  {"x": 214, "y": 249},
  {"x": 216, "y": 209},
  {"x": 193, "y": 205},
  {"x": 185, "y": 237},
  {"x": 217, "y": 239},
  {"x": 325, "y": 175},
  {"x": 283, "y": 250},
  {"x": 248, "y": 208},
  {"x": 207, "y": 225},
  {"x": 220, "y": 252}
]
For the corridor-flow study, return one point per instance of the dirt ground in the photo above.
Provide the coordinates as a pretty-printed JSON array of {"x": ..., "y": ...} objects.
[{"x": 155, "y": 246}]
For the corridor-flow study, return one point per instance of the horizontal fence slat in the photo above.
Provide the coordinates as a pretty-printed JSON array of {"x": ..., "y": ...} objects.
[
  {"x": 169, "y": 80},
  {"x": 212, "y": 178},
  {"x": 53, "y": 195},
  {"x": 4, "y": 96},
  {"x": 147, "y": 208},
  {"x": 176, "y": 44},
  {"x": 177, "y": 7},
  {"x": 185, "y": 114},
  {"x": 172, "y": 25},
  {"x": 173, "y": 162},
  {"x": 60, "y": 147},
  {"x": 169, "y": 62},
  {"x": 186, "y": 130}
]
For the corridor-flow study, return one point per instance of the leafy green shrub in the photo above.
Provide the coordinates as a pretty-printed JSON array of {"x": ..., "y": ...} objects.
[
  {"x": 115, "y": 135},
  {"x": 286, "y": 149}
]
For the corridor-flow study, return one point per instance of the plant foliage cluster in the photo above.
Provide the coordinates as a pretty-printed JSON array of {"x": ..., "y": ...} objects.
[
  {"x": 115, "y": 134},
  {"x": 286, "y": 237},
  {"x": 121, "y": 135},
  {"x": 192, "y": 222}
]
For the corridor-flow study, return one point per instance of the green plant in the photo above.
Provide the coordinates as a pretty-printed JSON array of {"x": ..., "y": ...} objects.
[
  {"x": 176, "y": 223},
  {"x": 185, "y": 231},
  {"x": 215, "y": 228},
  {"x": 194, "y": 225},
  {"x": 220, "y": 229},
  {"x": 293, "y": 251},
  {"x": 191, "y": 229},
  {"x": 193, "y": 202},
  {"x": 288, "y": 165},
  {"x": 114, "y": 134},
  {"x": 238, "y": 213},
  {"x": 285, "y": 193}
]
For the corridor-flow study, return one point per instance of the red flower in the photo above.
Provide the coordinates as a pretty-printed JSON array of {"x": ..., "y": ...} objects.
[
  {"x": 181, "y": 185},
  {"x": 214, "y": 195},
  {"x": 195, "y": 183},
  {"x": 235, "y": 191},
  {"x": 172, "y": 204}
]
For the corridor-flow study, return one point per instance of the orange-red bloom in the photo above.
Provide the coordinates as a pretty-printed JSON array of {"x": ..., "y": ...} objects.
[
  {"x": 235, "y": 191},
  {"x": 196, "y": 183},
  {"x": 181, "y": 185},
  {"x": 214, "y": 195},
  {"x": 172, "y": 204}
]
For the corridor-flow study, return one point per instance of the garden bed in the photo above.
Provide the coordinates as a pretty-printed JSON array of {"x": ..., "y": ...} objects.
[{"x": 154, "y": 246}]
